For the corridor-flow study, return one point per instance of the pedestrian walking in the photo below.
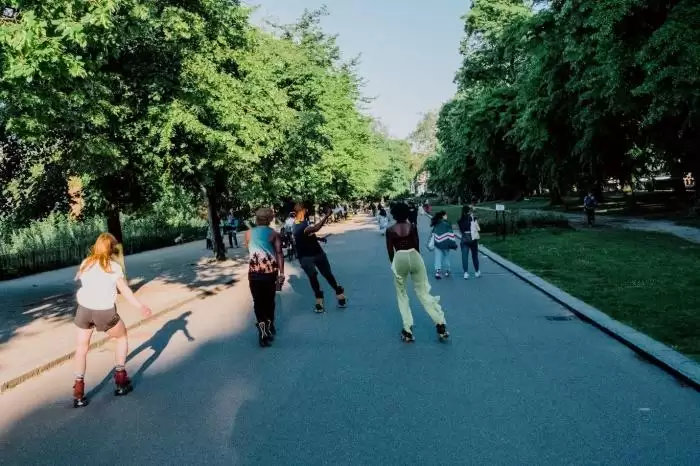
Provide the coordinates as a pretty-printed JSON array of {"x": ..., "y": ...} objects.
[
  {"x": 413, "y": 213},
  {"x": 469, "y": 232},
  {"x": 313, "y": 259},
  {"x": 231, "y": 228},
  {"x": 442, "y": 242},
  {"x": 427, "y": 208},
  {"x": 100, "y": 277},
  {"x": 404, "y": 254},
  {"x": 383, "y": 220},
  {"x": 265, "y": 273},
  {"x": 589, "y": 205}
]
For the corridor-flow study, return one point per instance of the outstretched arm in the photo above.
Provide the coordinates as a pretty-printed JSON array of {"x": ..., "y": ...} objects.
[
  {"x": 129, "y": 295},
  {"x": 187, "y": 334},
  {"x": 315, "y": 228}
]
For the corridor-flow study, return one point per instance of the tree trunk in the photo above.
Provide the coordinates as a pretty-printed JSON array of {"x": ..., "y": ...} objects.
[
  {"x": 211, "y": 196},
  {"x": 678, "y": 185},
  {"x": 598, "y": 193},
  {"x": 114, "y": 224},
  {"x": 555, "y": 196}
]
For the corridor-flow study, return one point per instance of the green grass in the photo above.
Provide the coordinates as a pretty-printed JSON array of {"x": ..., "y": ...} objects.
[
  {"x": 536, "y": 203},
  {"x": 657, "y": 205},
  {"x": 649, "y": 281}
]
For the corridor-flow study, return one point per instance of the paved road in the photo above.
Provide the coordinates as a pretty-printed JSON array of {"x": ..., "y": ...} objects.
[
  {"x": 511, "y": 388},
  {"x": 36, "y": 312}
]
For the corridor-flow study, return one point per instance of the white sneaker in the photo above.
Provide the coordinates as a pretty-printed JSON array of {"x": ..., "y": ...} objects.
[
  {"x": 477, "y": 275},
  {"x": 466, "y": 275}
]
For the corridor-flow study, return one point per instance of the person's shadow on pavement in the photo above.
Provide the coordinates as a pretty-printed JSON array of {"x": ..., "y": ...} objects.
[{"x": 158, "y": 342}]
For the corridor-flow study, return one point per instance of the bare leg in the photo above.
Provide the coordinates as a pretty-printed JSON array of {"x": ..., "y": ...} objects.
[
  {"x": 118, "y": 332},
  {"x": 81, "y": 350}
]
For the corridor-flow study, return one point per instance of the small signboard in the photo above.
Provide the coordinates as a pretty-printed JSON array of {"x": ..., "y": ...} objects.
[
  {"x": 500, "y": 207},
  {"x": 9, "y": 12}
]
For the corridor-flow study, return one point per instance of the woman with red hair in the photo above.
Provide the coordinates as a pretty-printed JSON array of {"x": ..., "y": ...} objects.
[{"x": 101, "y": 276}]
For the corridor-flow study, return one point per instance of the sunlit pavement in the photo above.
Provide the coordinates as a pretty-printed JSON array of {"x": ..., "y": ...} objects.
[{"x": 511, "y": 387}]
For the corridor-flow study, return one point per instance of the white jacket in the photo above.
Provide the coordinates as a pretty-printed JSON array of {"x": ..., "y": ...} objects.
[{"x": 474, "y": 229}]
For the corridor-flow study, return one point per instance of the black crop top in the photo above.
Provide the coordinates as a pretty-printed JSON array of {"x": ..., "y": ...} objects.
[{"x": 395, "y": 242}]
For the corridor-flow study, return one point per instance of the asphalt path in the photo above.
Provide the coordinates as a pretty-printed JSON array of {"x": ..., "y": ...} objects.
[{"x": 511, "y": 387}]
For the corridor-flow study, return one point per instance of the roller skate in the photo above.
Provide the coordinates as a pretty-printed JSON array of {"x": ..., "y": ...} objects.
[
  {"x": 122, "y": 382},
  {"x": 319, "y": 308},
  {"x": 443, "y": 334},
  {"x": 340, "y": 296},
  {"x": 79, "y": 400},
  {"x": 407, "y": 337},
  {"x": 263, "y": 337}
]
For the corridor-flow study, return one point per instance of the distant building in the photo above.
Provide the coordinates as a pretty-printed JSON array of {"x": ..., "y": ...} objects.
[{"x": 420, "y": 184}]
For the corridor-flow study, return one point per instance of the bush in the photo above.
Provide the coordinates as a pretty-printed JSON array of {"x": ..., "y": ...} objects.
[
  {"x": 515, "y": 219},
  {"x": 57, "y": 241}
]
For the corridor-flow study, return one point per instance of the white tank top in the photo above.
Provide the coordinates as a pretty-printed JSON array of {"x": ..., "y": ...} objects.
[{"x": 98, "y": 289}]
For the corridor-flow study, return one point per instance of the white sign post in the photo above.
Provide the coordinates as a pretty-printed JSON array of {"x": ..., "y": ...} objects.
[{"x": 500, "y": 207}]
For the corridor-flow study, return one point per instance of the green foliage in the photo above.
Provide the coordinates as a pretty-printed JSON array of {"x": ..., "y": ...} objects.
[
  {"x": 570, "y": 95},
  {"x": 162, "y": 102},
  {"x": 57, "y": 241}
]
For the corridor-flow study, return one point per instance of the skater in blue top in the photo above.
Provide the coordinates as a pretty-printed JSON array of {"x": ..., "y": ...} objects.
[{"x": 265, "y": 272}]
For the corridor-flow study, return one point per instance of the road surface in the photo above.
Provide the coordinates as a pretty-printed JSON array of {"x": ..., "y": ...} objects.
[{"x": 511, "y": 388}]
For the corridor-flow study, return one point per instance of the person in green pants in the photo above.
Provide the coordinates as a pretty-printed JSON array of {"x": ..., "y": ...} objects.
[{"x": 404, "y": 253}]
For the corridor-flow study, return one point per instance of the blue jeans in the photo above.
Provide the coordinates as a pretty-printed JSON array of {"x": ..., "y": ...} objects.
[
  {"x": 473, "y": 247},
  {"x": 442, "y": 260}
]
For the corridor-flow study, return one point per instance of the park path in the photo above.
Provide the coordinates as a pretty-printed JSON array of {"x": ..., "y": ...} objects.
[
  {"x": 630, "y": 223},
  {"x": 36, "y": 312},
  {"x": 511, "y": 388}
]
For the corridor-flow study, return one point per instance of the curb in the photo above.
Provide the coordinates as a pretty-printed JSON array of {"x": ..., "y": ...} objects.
[
  {"x": 10, "y": 384},
  {"x": 661, "y": 355}
]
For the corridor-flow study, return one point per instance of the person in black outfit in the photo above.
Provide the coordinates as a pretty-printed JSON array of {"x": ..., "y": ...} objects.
[
  {"x": 413, "y": 213},
  {"x": 312, "y": 257}
]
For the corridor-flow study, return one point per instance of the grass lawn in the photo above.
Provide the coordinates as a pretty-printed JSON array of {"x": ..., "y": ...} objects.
[
  {"x": 649, "y": 281},
  {"x": 659, "y": 205}
]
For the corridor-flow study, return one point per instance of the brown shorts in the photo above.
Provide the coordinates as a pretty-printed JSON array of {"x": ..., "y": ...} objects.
[{"x": 100, "y": 320}]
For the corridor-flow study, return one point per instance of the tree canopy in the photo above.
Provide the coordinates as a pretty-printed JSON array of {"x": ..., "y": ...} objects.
[
  {"x": 139, "y": 99},
  {"x": 565, "y": 93}
]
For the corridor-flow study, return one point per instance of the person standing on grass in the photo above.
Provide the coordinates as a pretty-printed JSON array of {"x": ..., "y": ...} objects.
[
  {"x": 444, "y": 241},
  {"x": 265, "y": 272},
  {"x": 312, "y": 257},
  {"x": 589, "y": 205},
  {"x": 404, "y": 254},
  {"x": 100, "y": 277},
  {"x": 469, "y": 231}
]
